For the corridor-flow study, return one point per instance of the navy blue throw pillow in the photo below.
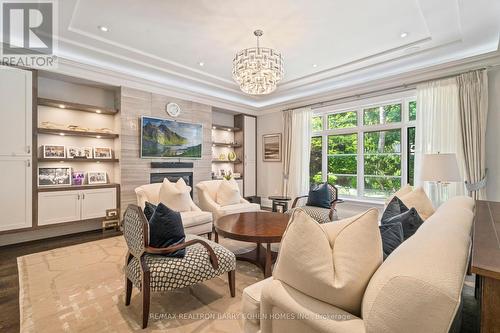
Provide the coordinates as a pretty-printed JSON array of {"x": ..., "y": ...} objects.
[
  {"x": 149, "y": 210},
  {"x": 396, "y": 211},
  {"x": 166, "y": 229},
  {"x": 319, "y": 196},
  {"x": 392, "y": 237}
]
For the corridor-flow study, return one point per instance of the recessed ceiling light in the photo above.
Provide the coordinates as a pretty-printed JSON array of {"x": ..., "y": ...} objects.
[
  {"x": 314, "y": 65},
  {"x": 103, "y": 28},
  {"x": 201, "y": 63},
  {"x": 404, "y": 34}
]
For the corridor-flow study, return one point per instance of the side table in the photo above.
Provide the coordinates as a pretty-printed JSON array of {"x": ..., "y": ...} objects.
[{"x": 280, "y": 203}]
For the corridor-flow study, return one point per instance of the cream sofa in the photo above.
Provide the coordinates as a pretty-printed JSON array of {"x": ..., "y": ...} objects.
[
  {"x": 195, "y": 221},
  {"x": 207, "y": 195},
  {"x": 416, "y": 289}
]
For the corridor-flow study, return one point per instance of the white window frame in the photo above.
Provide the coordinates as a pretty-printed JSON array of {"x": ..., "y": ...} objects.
[{"x": 403, "y": 98}]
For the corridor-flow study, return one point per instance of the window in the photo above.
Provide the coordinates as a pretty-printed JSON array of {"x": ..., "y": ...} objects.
[
  {"x": 343, "y": 162},
  {"x": 367, "y": 151}
]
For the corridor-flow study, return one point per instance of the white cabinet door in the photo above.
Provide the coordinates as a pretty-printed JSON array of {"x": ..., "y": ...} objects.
[
  {"x": 15, "y": 193},
  {"x": 58, "y": 207},
  {"x": 95, "y": 202},
  {"x": 250, "y": 124},
  {"x": 249, "y": 179},
  {"x": 15, "y": 112}
]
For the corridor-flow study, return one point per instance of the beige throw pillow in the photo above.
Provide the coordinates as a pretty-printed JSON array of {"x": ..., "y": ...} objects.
[
  {"x": 402, "y": 191},
  {"x": 176, "y": 196},
  {"x": 228, "y": 193},
  {"x": 418, "y": 199},
  {"x": 332, "y": 262}
]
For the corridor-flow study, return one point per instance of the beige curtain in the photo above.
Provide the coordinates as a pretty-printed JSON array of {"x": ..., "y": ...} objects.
[
  {"x": 473, "y": 111},
  {"x": 296, "y": 151}
]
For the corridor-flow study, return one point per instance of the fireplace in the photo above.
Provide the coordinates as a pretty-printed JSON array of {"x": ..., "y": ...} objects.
[{"x": 173, "y": 177}]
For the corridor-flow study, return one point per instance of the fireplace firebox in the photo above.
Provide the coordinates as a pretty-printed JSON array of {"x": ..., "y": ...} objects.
[{"x": 173, "y": 177}]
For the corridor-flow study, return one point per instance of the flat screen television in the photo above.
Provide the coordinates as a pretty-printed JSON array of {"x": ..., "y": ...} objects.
[{"x": 163, "y": 138}]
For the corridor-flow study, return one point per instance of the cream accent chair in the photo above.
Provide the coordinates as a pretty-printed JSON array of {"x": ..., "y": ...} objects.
[
  {"x": 195, "y": 221},
  {"x": 207, "y": 195},
  {"x": 416, "y": 289}
]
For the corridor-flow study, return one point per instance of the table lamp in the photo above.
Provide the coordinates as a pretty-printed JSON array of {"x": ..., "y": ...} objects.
[{"x": 441, "y": 169}]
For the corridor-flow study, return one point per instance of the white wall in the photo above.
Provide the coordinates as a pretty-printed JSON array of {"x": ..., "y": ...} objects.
[
  {"x": 269, "y": 174},
  {"x": 493, "y": 137}
]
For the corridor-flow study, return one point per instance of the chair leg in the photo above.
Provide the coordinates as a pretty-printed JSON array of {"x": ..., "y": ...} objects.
[
  {"x": 209, "y": 235},
  {"x": 216, "y": 237},
  {"x": 231, "y": 277},
  {"x": 128, "y": 291},
  {"x": 145, "y": 300}
]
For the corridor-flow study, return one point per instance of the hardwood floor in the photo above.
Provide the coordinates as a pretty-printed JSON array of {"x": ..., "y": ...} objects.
[{"x": 9, "y": 280}]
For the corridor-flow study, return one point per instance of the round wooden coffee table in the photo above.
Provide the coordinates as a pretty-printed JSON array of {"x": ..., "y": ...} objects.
[{"x": 255, "y": 227}]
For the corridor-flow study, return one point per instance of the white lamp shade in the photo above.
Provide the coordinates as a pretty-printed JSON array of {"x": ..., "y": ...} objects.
[{"x": 440, "y": 168}]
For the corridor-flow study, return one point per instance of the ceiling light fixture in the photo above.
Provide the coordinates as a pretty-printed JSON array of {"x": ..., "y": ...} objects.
[
  {"x": 201, "y": 63},
  {"x": 404, "y": 34},
  {"x": 98, "y": 111},
  {"x": 314, "y": 65},
  {"x": 258, "y": 70},
  {"x": 103, "y": 28},
  {"x": 62, "y": 106}
]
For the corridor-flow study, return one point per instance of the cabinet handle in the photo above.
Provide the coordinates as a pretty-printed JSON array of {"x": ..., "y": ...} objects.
[
  {"x": 28, "y": 163},
  {"x": 28, "y": 149},
  {"x": 78, "y": 196},
  {"x": 83, "y": 196}
]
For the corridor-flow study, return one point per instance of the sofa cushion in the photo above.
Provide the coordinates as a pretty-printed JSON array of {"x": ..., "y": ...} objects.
[
  {"x": 396, "y": 211},
  {"x": 228, "y": 193},
  {"x": 423, "y": 279},
  {"x": 176, "y": 196},
  {"x": 192, "y": 218},
  {"x": 149, "y": 210},
  {"x": 392, "y": 237},
  {"x": 402, "y": 191},
  {"x": 165, "y": 229},
  {"x": 420, "y": 201},
  {"x": 332, "y": 262},
  {"x": 319, "y": 196}
]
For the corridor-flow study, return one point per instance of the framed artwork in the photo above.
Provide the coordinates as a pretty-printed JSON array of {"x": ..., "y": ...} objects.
[
  {"x": 54, "y": 176},
  {"x": 271, "y": 147},
  {"x": 53, "y": 151},
  {"x": 97, "y": 177},
  {"x": 79, "y": 152},
  {"x": 78, "y": 177},
  {"x": 163, "y": 138},
  {"x": 103, "y": 153}
]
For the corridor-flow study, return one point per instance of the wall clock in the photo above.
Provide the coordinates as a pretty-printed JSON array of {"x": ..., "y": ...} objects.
[{"x": 173, "y": 109}]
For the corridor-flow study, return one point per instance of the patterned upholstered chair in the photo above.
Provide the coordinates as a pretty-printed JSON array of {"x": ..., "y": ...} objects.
[
  {"x": 321, "y": 215},
  {"x": 149, "y": 271}
]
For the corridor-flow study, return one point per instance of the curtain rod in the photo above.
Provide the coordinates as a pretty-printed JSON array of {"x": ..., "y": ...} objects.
[{"x": 381, "y": 92}]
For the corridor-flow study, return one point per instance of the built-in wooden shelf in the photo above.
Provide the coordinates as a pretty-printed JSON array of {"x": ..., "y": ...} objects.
[
  {"x": 226, "y": 161},
  {"x": 225, "y": 128},
  {"x": 228, "y": 145},
  {"x": 62, "y": 132},
  {"x": 75, "y": 187},
  {"x": 98, "y": 160},
  {"x": 76, "y": 106}
]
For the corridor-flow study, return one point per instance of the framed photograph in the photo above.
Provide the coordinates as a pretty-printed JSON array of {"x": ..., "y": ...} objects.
[
  {"x": 103, "y": 153},
  {"x": 54, "y": 176},
  {"x": 97, "y": 177},
  {"x": 271, "y": 147},
  {"x": 53, "y": 151},
  {"x": 79, "y": 152},
  {"x": 77, "y": 177},
  {"x": 164, "y": 138}
]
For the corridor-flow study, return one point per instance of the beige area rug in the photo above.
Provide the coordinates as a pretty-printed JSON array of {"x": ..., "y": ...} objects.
[{"x": 81, "y": 289}]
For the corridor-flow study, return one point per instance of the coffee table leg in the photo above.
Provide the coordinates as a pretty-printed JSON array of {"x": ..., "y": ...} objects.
[
  {"x": 267, "y": 270},
  {"x": 257, "y": 257}
]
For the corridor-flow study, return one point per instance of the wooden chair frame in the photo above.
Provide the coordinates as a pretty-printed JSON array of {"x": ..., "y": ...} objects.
[
  {"x": 145, "y": 273},
  {"x": 333, "y": 204}
]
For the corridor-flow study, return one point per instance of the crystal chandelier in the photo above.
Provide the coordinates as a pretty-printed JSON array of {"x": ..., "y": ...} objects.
[{"x": 258, "y": 69}]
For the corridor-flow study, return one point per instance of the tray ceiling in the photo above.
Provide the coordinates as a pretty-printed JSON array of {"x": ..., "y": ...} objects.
[{"x": 326, "y": 43}]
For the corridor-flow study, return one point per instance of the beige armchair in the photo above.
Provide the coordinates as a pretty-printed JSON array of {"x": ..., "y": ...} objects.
[
  {"x": 207, "y": 194},
  {"x": 195, "y": 221}
]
